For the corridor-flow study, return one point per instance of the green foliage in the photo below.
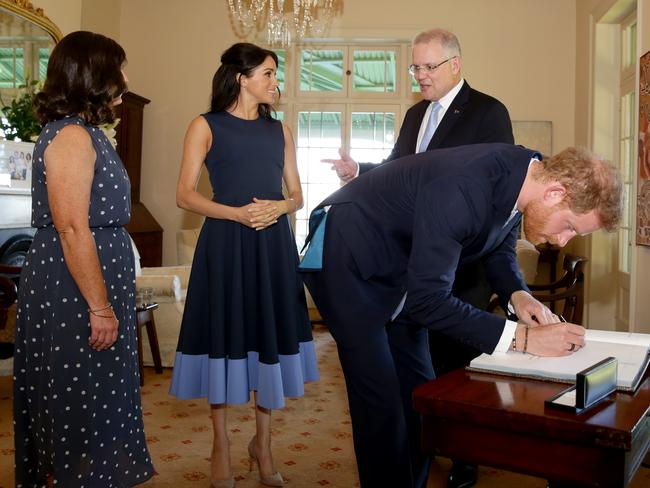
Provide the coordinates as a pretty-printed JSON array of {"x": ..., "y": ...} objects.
[{"x": 21, "y": 121}]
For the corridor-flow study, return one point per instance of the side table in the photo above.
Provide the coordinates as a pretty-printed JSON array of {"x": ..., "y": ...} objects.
[{"x": 144, "y": 317}]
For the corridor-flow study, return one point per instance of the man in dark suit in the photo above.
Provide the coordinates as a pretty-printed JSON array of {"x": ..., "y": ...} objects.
[
  {"x": 450, "y": 114},
  {"x": 381, "y": 264},
  {"x": 462, "y": 115},
  {"x": 454, "y": 114}
]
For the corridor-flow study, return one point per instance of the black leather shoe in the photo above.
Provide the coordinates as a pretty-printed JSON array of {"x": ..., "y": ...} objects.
[{"x": 462, "y": 475}]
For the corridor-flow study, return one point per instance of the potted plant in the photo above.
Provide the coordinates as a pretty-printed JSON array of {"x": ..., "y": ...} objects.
[{"x": 21, "y": 123}]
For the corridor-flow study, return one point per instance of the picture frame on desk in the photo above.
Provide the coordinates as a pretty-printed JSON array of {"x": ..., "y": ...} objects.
[
  {"x": 16, "y": 162},
  {"x": 593, "y": 385}
]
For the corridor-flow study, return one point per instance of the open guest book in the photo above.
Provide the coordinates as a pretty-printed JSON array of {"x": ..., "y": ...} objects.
[{"x": 631, "y": 349}]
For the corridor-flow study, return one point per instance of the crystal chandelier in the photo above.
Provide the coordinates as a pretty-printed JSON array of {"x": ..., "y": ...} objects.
[{"x": 286, "y": 21}]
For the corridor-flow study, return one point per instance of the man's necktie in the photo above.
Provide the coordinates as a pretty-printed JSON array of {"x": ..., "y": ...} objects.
[{"x": 431, "y": 127}]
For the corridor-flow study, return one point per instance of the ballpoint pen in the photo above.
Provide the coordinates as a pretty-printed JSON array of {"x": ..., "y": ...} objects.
[{"x": 573, "y": 346}]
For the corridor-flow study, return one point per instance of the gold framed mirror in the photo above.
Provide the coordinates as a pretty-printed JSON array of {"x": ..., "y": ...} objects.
[
  {"x": 25, "y": 10},
  {"x": 27, "y": 37}
]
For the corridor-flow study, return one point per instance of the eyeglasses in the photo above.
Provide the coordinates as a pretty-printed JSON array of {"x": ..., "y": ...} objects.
[{"x": 427, "y": 68}]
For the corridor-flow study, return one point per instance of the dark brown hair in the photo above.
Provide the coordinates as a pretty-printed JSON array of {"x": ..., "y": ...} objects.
[
  {"x": 591, "y": 183},
  {"x": 83, "y": 77},
  {"x": 241, "y": 58}
]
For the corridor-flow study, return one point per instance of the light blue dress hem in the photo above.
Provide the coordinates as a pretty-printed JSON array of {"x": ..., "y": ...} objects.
[{"x": 230, "y": 381}]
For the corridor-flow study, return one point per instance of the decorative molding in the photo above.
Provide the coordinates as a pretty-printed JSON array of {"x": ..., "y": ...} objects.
[{"x": 25, "y": 9}]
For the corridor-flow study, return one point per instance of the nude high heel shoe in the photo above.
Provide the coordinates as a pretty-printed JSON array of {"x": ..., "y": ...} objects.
[
  {"x": 274, "y": 479},
  {"x": 225, "y": 483}
]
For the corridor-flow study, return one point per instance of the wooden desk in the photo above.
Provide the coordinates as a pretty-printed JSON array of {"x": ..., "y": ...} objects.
[
  {"x": 144, "y": 317},
  {"x": 501, "y": 421}
]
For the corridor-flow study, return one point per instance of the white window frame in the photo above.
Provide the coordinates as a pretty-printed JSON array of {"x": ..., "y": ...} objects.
[
  {"x": 628, "y": 85},
  {"x": 294, "y": 101}
]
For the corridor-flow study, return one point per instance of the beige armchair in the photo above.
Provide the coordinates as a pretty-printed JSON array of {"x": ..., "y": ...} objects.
[
  {"x": 169, "y": 286},
  {"x": 527, "y": 258},
  {"x": 186, "y": 240}
]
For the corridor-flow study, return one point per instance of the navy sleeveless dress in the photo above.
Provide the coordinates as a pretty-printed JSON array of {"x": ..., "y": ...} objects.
[
  {"x": 77, "y": 413},
  {"x": 245, "y": 325}
]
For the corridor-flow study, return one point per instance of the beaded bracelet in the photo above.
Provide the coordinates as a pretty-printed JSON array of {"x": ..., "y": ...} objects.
[
  {"x": 94, "y": 312},
  {"x": 104, "y": 316},
  {"x": 526, "y": 339},
  {"x": 514, "y": 342},
  {"x": 108, "y": 305}
]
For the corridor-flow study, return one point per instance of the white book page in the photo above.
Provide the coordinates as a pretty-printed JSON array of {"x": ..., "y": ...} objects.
[
  {"x": 618, "y": 337},
  {"x": 631, "y": 350}
]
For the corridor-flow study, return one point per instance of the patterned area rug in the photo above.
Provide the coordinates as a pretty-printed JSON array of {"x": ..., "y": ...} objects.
[{"x": 312, "y": 437}]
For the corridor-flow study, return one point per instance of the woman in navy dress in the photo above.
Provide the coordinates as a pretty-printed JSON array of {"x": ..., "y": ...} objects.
[
  {"x": 245, "y": 326},
  {"x": 77, "y": 413}
]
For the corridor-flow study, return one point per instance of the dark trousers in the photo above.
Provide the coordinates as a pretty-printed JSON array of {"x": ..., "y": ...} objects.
[
  {"x": 380, "y": 377},
  {"x": 471, "y": 286},
  {"x": 382, "y": 365}
]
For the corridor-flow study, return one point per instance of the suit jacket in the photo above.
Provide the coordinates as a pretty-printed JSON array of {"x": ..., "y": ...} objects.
[
  {"x": 410, "y": 223},
  {"x": 472, "y": 118}
]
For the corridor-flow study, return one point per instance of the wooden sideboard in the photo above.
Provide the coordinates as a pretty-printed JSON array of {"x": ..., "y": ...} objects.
[{"x": 144, "y": 229}]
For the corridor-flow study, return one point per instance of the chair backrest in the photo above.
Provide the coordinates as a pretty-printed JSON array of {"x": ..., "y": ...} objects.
[
  {"x": 186, "y": 240},
  {"x": 8, "y": 291},
  {"x": 569, "y": 290}
]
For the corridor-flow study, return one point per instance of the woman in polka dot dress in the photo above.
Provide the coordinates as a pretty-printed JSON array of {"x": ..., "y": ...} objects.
[{"x": 77, "y": 413}]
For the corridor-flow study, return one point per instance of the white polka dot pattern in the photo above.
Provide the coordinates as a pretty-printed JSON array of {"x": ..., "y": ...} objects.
[{"x": 77, "y": 413}]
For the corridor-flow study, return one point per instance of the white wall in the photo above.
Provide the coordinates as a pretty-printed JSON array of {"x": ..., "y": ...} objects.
[
  {"x": 507, "y": 51},
  {"x": 66, "y": 14},
  {"x": 171, "y": 62},
  {"x": 534, "y": 56},
  {"x": 102, "y": 16},
  {"x": 601, "y": 295},
  {"x": 174, "y": 50}
]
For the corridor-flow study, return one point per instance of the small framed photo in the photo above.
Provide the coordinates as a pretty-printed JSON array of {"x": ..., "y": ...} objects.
[{"x": 16, "y": 162}]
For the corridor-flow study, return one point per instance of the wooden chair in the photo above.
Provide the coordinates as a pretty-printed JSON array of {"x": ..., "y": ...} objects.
[
  {"x": 569, "y": 289},
  {"x": 9, "y": 276},
  {"x": 8, "y": 290}
]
